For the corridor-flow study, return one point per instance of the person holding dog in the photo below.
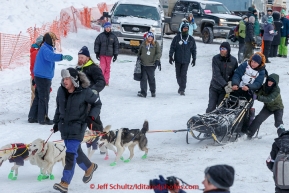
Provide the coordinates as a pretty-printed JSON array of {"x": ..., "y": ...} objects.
[{"x": 73, "y": 98}]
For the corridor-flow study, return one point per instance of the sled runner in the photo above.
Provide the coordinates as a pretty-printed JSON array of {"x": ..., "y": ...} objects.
[{"x": 224, "y": 124}]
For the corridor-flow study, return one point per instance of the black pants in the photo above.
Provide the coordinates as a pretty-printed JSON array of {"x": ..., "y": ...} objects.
[
  {"x": 241, "y": 50},
  {"x": 249, "y": 50},
  {"x": 215, "y": 98},
  {"x": 148, "y": 75},
  {"x": 181, "y": 75},
  {"x": 278, "y": 190},
  {"x": 267, "y": 47},
  {"x": 39, "y": 108},
  {"x": 262, "y": 116},
  {"x": 273, "y": 51}
]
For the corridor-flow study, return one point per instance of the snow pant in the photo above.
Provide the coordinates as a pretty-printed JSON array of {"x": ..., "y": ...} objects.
[
  {"x": 32, "y": 91},
  {"x": 262, "y": 116},
  {"x": 241, "y": 51},
  {"x": 283, "y": 47},
  {"x": 147, "y": 77},
  {"x": 215, "y": 98},
  {"x": 74, "y": 155},
  {"x": 105, "y": 62},
  {"x": 181, "y": 75},
  {"x": 39, "y": 108},
  {"x": 249, "y": 50},
  {"x": 273, "y": 51},
  {"x": 267, "y": 47},
  {"x": 278, "y": 190}
]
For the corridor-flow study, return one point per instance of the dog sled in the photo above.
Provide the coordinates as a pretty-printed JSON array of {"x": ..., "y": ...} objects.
[{"x": 224, "y": 124}]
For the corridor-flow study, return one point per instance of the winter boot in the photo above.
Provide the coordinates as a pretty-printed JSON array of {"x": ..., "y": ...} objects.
[
  {"x": 141, "y": 95},
  {"x": 280, "y": 130},
  {"x": 153, "y": 94},
  {"x": 89, "y": 172},
  {"x": 62, "y": 187},
  {"x": 182, "y": 93}
]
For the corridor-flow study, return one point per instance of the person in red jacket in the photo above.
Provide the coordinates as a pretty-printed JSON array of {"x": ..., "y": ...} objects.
[{"x": 33, "y": 52}]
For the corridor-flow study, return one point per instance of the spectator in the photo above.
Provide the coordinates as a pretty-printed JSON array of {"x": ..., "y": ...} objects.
[
  {"x": 277, "y": 38},
  {"x": 269, "y": 94},
  {"x": 223, "y": 66},
  {"x": 33, "y": 52},
  {"x": 242, "y": 35},
  {"x": 43, "y": 74},
  {"x": 284, "y": 35},
  {"x": 73, "y": 97},
  {"x": 183, "y": 47},
  {"x": 256, "y": 24},
  {"x": 105, "y": 47},
  {"x": 249, "y": 38},
  {"x": 191, "y": 22},
  {"x": 150, "y": 55},
  {"x": 268, "y": 36},
  {"x": 265, "y": 17}
]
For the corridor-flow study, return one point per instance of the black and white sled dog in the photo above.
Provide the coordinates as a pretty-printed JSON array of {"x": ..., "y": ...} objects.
[
  {"x": 16, "y": 153},
  {"x": 123, "y": 138},
  {"x": 45, "y": 156}
]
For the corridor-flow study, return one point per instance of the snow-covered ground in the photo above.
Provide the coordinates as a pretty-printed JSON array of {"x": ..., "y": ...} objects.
[{"x": 168, "y": 152}]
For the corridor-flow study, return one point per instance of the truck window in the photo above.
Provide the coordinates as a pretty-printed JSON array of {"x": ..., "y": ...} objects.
[
  {"x": 192, "y": 6},
  {"x": 141, "y": 11},
  {"x": 215, "y": 8},
  {"x": 181, "y": 6}
]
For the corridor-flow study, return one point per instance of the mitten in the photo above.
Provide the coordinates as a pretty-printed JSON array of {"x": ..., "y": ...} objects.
[
  {"x": 55, "y": 128},
  {"x": 194, "y": 62},
  {"x": 114, "y": 57},
  {"x": 67, "y": 57},
  {"x": 171, "y": 60},
  {"x": 97, "y": 56}
]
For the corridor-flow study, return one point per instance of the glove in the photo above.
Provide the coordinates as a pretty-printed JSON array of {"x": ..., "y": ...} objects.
[
  {"x": 114, "y": 58},
  {"x": 171, "y": 60},
  {"x": 33, "y": 82},
  {"x": 228, "y": 88},
  {"x": 255, "y": 97},
  {"x": 93, "y": 124},
  {"x": 193, "y": 62},
  {"x": 97, "y": 56},
  {"x": 55, "y": 128},
  {"x": 158, "y": 64},
  {"x": 159, "y": 186},
  {"x": 67, "y": 57}
]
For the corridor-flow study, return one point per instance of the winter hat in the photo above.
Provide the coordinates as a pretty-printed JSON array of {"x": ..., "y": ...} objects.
[
  {"x": 72, "y": 74},
  {"x": 191, "y": 15},
  {"x": 39, "y": 40},
  {"x": 276, "y": 16},
  {"x": 283, "y": 11},
  {"x": 185, "y": 25},
  {"x": 252, "y": 19},
  {"x": 227, "y": 46},
  {"x": 221, "y": 176},
  {"x": 269, "y": 9},
  {"x": 255, "y": 11},
  {"x": 257, "y": 58},
  {"x": 48, "y": 37},
  {"x": 150, "y": 34},
  {"x": 106, "y": 24},
  {"x": 84, "y": 51},
  {"x": 270, "y": 19},
  {"x": 244, "y": 17}
]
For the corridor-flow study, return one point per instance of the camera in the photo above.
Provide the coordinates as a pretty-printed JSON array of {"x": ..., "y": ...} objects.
[{"x": 169, "y": 182}]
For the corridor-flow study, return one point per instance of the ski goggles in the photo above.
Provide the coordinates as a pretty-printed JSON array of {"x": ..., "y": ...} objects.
[{"x": 223, "y": 49}]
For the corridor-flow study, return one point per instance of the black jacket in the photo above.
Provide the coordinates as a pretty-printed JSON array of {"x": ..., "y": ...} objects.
[
  {"x": 182, "y": 53},
  {"x": 277, "y": 38},
  {"x": 280, "y": 143},
  {"x": 71, "y": 111},
  {"x": 106, "y": 44},
  {"x": 94, "y": 75},
  {"x": 249, "y": 38},
  {"x": 223, "y": 70}
]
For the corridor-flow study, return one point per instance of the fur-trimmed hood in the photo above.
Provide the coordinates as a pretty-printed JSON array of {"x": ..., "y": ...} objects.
[{"x": 80, "y": 81}]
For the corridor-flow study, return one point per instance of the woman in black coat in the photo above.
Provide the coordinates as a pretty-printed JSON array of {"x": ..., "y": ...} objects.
[{"x": 277, "y": 38}]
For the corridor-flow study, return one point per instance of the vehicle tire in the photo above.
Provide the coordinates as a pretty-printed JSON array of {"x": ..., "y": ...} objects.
[{"x": 207, "y": 35}]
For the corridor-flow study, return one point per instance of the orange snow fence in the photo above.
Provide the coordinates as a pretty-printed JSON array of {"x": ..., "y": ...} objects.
[{"x": 13, "y": 47}]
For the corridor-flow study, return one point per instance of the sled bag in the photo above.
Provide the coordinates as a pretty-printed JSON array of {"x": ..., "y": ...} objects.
[
  {"x": 137, "y": 71},
  {"x": 281, "y": 170}
]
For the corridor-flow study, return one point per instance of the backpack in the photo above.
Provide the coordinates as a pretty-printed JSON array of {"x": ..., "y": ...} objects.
[
  {"x": 281, "y": 170},
  {"x": 236, "y": 31}
]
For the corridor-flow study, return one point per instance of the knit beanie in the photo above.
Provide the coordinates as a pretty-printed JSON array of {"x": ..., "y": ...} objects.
[
  {"x": 150, "y": 34},
  {"x": 227, "y": 46},
  {"x": 221, "y": 176},
  {"x": 251, "y": 19},
  {"x": 185, "y": 25},
  {"x": 283, "y": 11},
  {"x": 72, "y": 74},
  {"x": 84, "y": 51},
  {"x": 107, "y": 24},
  {"x": 244, "y": 17},
  {"x": 39, "y": 40},
  {"x": 257, "y": 58}
]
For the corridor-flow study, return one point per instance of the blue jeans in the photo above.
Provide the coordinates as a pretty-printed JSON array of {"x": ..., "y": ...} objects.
[{"x": 74, "y": 154}]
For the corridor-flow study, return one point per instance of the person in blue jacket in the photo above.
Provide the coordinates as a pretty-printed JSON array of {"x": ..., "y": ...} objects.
[
  {"x": 43, "y": 73},
  {"x": 191, "y": 22}
]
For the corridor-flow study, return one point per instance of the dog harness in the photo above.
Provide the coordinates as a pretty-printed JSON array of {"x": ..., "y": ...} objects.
[
  {"x": 60, "y": 151},
  {"x": 20, "y": 153}
]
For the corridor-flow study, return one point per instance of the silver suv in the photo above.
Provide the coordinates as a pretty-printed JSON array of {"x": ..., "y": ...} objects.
[{"x": 131, "y": 19}]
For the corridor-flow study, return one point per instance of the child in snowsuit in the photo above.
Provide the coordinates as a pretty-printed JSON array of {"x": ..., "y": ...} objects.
[{"x": 270, "y": 95}]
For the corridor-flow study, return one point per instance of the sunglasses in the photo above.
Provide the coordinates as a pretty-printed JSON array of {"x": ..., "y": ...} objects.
[{"x": 222, "y": 48}]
